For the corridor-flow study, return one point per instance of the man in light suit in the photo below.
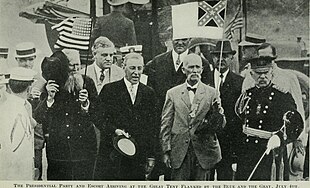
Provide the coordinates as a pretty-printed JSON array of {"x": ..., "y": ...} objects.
[
  {"x": 191, "y": 116},
  {"x": 126, "y": 107},
  {"x": 103, "y": 71}
]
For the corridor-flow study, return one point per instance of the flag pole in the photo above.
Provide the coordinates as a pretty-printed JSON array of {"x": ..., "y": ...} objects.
[
  {"x": 221, "y": 52},
  {"x": 92, "y": 14},
  {"x": 242, "y": 2}
]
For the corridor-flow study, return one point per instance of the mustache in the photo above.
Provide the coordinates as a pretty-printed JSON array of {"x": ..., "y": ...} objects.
[{"x": 74, "y": 82}]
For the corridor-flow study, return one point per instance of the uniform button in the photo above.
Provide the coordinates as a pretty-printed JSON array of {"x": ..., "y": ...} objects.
[
  {"x": 264, "y": 111},
  {"x": 250, "y": 94},
  {"x": 270, "y": 98},
  {"x": 246, "y": 125},
  {"x": 256, "y": 141},
  {"x": 247, "y": 140},
  {"x": 190, "y": 127},
  {"x": 272, "y": 93},
  {"x": 260, "y": 121},
  {"x": 67, "y": 114},
  {"x": 67, "y": 125},
  {"x": 247, "y": 112},
  {"x": 80, "y": 136},
  {"x": 68, "y": 137},
  {"x": 266, "y": 107},
  {"x": 79, "y": 124},
  {"x": 247, "y": 107},
  {"x": 260, "y": 126},
  {"x": 247, "y": 121},
  {"x": 77, "y": 100}
]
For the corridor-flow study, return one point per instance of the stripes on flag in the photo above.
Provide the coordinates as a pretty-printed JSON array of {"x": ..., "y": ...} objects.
[
  {"x": 74, "y": 33},
  {"x": 235, "y": 23}
]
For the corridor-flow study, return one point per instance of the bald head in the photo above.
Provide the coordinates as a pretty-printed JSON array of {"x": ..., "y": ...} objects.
[
  {"x": 192, "y": 58},
  {"x": 192, "y": 68}
]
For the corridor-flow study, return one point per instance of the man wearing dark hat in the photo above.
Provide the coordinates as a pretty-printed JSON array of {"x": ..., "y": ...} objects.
[
  {"x": 271, "y": 121},
  {"x": 64, "y": 111},
  {"x": 17, "y": 128},
  {"x": 229, "y": 85},
  {"x": 249, "y": 48},
  {"x": 126, "y": 109},
  {"x": 115, "y": 26}
]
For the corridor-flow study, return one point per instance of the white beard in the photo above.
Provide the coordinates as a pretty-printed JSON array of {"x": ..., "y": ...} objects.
[{"x": 74, "y": 82}]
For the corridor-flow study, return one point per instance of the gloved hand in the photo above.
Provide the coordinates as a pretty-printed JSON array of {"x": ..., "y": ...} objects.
[{"x": 273, "y": 142}]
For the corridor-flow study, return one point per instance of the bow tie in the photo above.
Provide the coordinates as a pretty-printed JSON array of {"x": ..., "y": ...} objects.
[{"x": 192, "y": 89}]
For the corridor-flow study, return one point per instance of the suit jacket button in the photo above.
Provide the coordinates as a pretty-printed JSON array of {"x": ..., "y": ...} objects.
[
  {"x": 68, "y": 137},
  {"x": 68, "y": 125},
  {"x": 67, "y": 113}
]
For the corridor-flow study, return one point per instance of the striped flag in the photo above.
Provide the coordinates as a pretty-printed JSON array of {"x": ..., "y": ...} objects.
[
  {"x": 74, "y": 33},
  {"x": 235, "y": 23}
]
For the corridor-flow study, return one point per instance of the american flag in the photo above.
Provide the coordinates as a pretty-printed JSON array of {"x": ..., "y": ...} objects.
[
  {"x": 74, "y": 33},
  {"x": 211, "y": 13},
  {"x": 235, "y": 23}
]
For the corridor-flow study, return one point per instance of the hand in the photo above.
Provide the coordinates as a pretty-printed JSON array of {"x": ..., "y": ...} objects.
[
  {"x": 298, "y": 147},
  {"x": 167, "y": 160},
  {"x": 35, "y": 93},
  {"x": 120, "y": 132},
  {"x": 234, "y": 167},
  {"x": 273, "y": 143},
  {"x": 83, "y": 97},
  {"x": 52, "y": 89}
]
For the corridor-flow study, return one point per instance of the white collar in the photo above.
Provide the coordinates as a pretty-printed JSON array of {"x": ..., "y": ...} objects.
[
  {"x": 217, "y": 74},
  {"x": 175, "y": 57},
  {"x": 194, "y": 86},
  {"x": 98, "y": 71},
  {"x": 129, "y": 84}
]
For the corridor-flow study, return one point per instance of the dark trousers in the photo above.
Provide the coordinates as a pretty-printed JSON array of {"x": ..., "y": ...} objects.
[
  {"x": 223, "y": 170},
  {"x": 190, "y": 169},
  {"x": 113, "y": 166},
  {"x": 68, "y": 170}
]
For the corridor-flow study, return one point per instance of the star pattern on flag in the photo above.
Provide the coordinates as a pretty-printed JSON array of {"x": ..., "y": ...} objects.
[
  {"x": 211, "y": 13},
  {"x": 81, "y": 27}
]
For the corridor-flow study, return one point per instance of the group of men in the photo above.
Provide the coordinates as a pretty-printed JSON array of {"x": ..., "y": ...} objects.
[{"x": 194, "y": 118}]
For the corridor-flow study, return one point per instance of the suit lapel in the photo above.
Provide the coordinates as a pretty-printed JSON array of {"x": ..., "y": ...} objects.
[
  {"x": 125, "y": 93},
  {"x": 139, "y": 94},
  {"x": 185, "y": 96}
]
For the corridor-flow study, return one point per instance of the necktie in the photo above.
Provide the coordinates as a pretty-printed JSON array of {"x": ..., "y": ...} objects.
[
  {"x": 101, "y": 78},
  {"x": 192, "y": 89},
  {"x": 132, "y": 94},
  {"x": 221, "y": 79},
  {"x": 178, "y": 62}
]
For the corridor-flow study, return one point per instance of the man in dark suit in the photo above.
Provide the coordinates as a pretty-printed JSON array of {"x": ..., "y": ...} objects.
[
  {"x": 229, "y": 84},
  {"x": 190, "y": 119},
  {"x": 64, "y": 112},
  {"x": 126, "y": 107},
  {"x": 115, "y": 26}
]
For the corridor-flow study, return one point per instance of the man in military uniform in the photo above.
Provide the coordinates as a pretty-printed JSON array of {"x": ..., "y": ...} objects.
[
  {"x": 270, "y": 122},
  {"x": 65, "y": 115}
]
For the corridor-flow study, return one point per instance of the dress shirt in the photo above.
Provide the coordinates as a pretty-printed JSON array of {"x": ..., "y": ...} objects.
[
  {"x": 217, "y": 79},
  {"x": 132, "y": 90},
  {"x": 98, "y": 73},
  {"x": 175, "y": 58},
  {"x": 190, "y": 92}
]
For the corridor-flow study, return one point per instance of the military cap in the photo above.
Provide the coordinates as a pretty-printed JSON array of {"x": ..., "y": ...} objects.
[
  {"x": 22, "y": 74},
  {"x": 252, "y": 39},
  {"x": 117, "y": 2}
]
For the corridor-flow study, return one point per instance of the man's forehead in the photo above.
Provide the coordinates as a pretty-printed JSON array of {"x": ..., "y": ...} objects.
[
  {"x": 134, "y": 62},
  {"x": 106, "y": 50},
  {"x": 27, "y": 58}
]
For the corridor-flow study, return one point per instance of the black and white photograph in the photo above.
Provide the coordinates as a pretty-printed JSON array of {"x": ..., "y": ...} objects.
[{"x": 154, "y": 93}]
